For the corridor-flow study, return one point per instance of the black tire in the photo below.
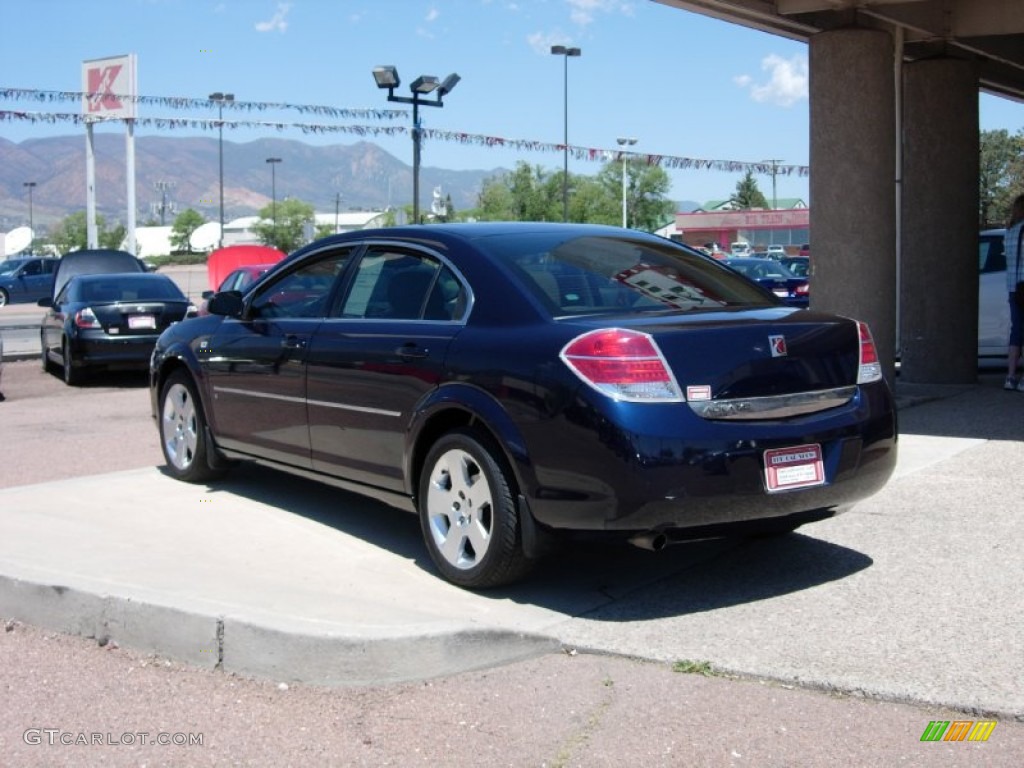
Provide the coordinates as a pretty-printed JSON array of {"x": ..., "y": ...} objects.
[
  {"x": 183, "y": 435},
  {"x": 72, "y": 375},
  {"x": 4, "y": 298},
  {"x": 45, "y": 357},
  {"x": 474, "y": 543}
]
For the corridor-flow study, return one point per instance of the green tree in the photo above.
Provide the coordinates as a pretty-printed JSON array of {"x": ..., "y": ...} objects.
[
  {"x": 747, "y": 193},
  {"x": 528, "y": 193},
  {"x": 186, "y": 222},
  {"x": 71, "y": 234},
  {"x": 1002, "y": 175},
  {"x": 647, "y": 208},
  {"x": 292, "y": 216},
  {"x": 111, "y": 238}
]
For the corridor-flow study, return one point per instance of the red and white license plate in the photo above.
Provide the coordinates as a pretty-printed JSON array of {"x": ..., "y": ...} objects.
[
  {"x": 141, "y": 322},
  {"x": 796, "y": 467}
]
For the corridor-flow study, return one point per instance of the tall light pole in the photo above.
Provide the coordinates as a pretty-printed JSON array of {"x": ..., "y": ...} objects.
[
  {"x": 220, "y": 99},
  {"x": 273, "y": 193},
  {"x": 387, "y": 77},
  {"x": 624, "y": 142},
  {"x": 31, "y": 224},
  {"x": 337, "y": 207},
  {"x": 775, "y": 172},
  {"x": 561, "y": 50}
]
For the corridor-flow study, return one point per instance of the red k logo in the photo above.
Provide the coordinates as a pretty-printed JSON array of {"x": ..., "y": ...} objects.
[
  {"x": 778, "y": 345},
  {"x": 101, "y": 82}
]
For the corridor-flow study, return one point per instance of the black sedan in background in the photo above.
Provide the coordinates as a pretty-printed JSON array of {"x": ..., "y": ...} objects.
[
  {"x": 108, "y": 321},
  {"x": 515, "y": 384},
  {"x": 775, "y": 277}
]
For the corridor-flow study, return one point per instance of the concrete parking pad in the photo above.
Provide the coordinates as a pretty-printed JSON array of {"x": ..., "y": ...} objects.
[{"x": 913, "y": 595}]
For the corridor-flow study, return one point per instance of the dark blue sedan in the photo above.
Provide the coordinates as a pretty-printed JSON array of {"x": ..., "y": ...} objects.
[
  {"x": 517, "y": 384},
  {"x": 774, "y": 276}
]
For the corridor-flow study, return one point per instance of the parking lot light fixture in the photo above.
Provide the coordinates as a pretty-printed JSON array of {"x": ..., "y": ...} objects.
[
  {"x": 220, "y": 99},
  {"x": 624, "y": 142},
  {"x": 30, "y": 185},
  {"x": 273, "y": 193},
  {"x": 565, "y": 52},
  {"x": 386, "y": 77}
]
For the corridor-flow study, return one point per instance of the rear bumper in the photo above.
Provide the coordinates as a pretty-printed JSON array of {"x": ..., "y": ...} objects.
[
  {"x": 715, "y": 480},
  {"x": 125, "y": 351}
]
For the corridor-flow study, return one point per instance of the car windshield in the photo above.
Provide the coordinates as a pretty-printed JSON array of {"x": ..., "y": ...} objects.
[
  {"x": 610, "y": 275},
  {"x": 126, "y": 288},
  {"x": 9, "y": 267}
]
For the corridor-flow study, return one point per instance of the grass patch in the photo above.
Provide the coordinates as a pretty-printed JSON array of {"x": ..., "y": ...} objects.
[{"x": 687, "y": 667}]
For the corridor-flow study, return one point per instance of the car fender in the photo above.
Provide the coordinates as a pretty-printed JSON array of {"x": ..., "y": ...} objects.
[{"x": 458, "y": 404}]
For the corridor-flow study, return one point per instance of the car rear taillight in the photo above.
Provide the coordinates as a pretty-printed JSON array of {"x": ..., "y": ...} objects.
[
  {"x": 802, "y": 290},
  {"x": 869, "y": 369},
  {"x": 84, "y": 318},
  {"x": 622, "y": 364}
]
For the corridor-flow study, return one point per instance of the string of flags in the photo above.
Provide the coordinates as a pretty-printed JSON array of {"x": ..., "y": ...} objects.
[{"x": 591, "y": 154}]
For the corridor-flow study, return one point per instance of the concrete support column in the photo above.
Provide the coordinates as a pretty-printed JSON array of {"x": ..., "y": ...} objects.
[
  {"x": 939, "y": 232},
  {"x": 852, "y": 187}
]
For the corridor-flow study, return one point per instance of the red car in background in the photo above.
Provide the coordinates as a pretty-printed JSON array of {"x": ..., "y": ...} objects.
[{"x": 238, "y": 280}]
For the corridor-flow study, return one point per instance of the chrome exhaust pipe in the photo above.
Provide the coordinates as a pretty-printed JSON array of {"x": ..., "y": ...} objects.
[{"x": 652, "y": 540}]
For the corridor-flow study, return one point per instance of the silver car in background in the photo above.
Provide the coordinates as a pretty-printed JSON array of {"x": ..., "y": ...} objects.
[{"x": 993, "y": 306}]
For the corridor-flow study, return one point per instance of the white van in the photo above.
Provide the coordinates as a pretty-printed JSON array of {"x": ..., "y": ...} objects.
[
  {"x": 993, "y": 305},
  {"x": 740, "y": 249}
]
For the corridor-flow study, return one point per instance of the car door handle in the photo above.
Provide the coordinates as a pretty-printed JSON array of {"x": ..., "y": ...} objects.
[
  {"x": 291, "y": 341},
  {"x": 411, "y": 351}
]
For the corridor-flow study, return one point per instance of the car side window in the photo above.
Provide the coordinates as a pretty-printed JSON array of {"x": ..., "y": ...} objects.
[
  {"x": 32, "y": 268},
  {"x": 991, "y": 256},
  {"x": 302, "y": 292},
  {"x": 391, "y": 284}
]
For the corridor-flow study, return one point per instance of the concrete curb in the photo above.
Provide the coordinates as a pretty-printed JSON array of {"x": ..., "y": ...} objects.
[{"x": 328, "y": 657}]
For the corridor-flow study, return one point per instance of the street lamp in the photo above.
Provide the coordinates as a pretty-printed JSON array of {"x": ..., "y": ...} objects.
[
  {"x": 31, "y": 227},
  {"x": 561, "y": 50},
  {"x": 624, "y": 142},
  {"x": 775, "y": 171},
  {"x": 273, "y": 193},
  {"x": 387, "y": 77},
  {"x": 221, "y": 99}
]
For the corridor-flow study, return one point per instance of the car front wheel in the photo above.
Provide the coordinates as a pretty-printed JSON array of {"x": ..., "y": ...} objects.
[
  {"x": 468, "y": 513},
  {"x": 183, "y": 435},
  {"x": 4, "y": 298}
]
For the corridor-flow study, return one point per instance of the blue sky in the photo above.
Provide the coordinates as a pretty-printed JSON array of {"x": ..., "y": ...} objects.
[{"x": 684, "y": 85}]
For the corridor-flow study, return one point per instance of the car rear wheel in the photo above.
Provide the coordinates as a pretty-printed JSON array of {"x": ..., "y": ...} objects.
[
  {"x": 468, "y": 513},
  {"x": 72, "y": 376},
  {"x": 183, "y": 434},
  {"x": 45, "y": 357}
]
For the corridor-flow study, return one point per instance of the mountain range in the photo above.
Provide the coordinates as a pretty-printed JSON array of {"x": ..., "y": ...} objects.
[{"x": 173, "y": 174}]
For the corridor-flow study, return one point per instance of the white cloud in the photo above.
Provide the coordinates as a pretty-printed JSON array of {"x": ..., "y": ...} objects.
[
  {"x": 582, "y": 12},
  {"x": 786, "y": 84},
  {"x": 432, "y": 15},
  {"x": 277, "y": 21},
  {"x": 541, "y": 42}
]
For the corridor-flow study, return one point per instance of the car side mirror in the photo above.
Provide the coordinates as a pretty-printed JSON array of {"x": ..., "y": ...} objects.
[
  {"x": 207, "y": 295},
  {"x": 227, "y": 303},
  {"x": 45, "y": 302}
]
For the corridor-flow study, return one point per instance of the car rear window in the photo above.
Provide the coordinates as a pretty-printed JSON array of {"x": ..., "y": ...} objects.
[
  {"x": 609, "y": 275},
  {"x": 126, "y": 288}
]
